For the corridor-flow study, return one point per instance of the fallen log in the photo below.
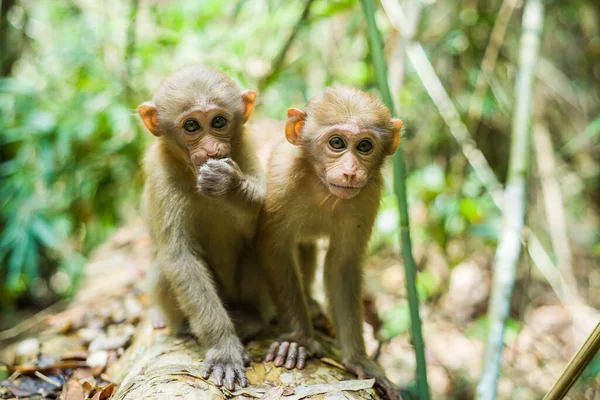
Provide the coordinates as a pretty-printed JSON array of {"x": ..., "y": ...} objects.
[
  {"x": 157, "y": 365},
  {"x": 101, "y": 345}
]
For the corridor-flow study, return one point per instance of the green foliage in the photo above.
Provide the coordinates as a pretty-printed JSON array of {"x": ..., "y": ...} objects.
[
  {"x": 70, "y": 151},
  {"x": 70, "y": 145}
]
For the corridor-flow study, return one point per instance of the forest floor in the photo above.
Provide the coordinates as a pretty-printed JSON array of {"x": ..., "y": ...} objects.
[{"x": 539, "y": 340}]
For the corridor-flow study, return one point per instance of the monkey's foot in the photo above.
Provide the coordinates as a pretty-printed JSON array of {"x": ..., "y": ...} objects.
[
  {"x": 366, "y": 368},
  {"x": 157, "y": 319},
  {"x": 292, "y": 353},
  {"x": 225, "y": 364}
]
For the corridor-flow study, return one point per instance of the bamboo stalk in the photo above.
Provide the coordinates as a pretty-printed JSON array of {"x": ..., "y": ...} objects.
[
  {"x": 376, "y": 47},
  {"x": 576, "y": 366},
  {"x": 509, "y": 245}
]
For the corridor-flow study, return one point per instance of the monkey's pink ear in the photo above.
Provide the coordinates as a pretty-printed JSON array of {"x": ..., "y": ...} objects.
[
  {"x": 248, "y": 97},
  {"x": 149, "y": 117},
  {"x": 395, "y": 136},
  {"x": 294, "y": 124}
]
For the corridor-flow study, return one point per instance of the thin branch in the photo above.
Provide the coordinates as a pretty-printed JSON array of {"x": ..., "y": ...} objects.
[
  {"x": 553, "y": 201},
  {"x": 280, "y": 58},
  {"x": 490, "y": 57},
  {"x": 130, "y": 48},
  {"x": 509, "y": 243}
]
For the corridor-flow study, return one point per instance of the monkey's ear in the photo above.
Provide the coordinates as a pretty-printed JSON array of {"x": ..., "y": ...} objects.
[
  {"x": 294, "y": 124},
  {"x": 149, "y": 117},
  {"x": 248, "y": 97},
  {"x": 395, "y": 136}
]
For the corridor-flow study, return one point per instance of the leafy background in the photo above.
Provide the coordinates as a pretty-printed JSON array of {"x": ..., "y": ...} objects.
[{"x": 73, "y": 71}]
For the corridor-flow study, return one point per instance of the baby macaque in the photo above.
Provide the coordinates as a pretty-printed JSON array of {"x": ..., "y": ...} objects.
[
  {"x": 201, "y": 202},
  {"x": 326, "y": 182}
]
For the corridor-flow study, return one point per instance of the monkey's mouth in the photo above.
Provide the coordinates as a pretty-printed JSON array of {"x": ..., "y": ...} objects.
[{"x": 342, "y": 191}]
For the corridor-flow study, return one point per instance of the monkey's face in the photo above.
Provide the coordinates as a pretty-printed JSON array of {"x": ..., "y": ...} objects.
[
  {"x": 205, "y": 132},
  {"x": 345, "y": 158},
  {"x": 346, "y": 134},
  {"x": 201, "y": 111}
]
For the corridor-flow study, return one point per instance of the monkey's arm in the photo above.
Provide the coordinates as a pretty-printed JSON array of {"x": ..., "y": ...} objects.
[
  {"x": 192, "y": 284},
  {"x": 208, "y": 319},
  {"x": 224, "y": 179}
]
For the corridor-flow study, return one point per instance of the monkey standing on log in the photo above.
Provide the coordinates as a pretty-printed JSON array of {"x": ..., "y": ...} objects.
[
  {"x": 326, "y": 182},
  {"x": 201, "y": 202}
]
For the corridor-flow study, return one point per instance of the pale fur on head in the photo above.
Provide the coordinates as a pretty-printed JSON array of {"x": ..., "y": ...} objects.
[{"x": 193, "y": 86}]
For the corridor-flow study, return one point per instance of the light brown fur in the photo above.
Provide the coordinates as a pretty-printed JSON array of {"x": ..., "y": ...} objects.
[
  {"x": 201, "y": 201},
  {"x": 314, "y": 191}
]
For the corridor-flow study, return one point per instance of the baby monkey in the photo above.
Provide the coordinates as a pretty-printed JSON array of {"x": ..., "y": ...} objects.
[
  {"x": 201, "y": 202},
  {"x": 326, "y": 182}
]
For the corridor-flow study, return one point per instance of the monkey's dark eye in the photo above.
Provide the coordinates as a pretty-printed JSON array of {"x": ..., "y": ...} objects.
[
  {"x": 219, "y": 123},
  {"x": 337, "y": 143},
  {"x": 364, "y": 146},
  {"x": 191, "y": 126}
]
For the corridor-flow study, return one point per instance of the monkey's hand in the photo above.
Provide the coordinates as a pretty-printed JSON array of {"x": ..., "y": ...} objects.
[
  {"x": 292, "y": 351},
  {"x": 218, "y": 178},
  {"x": 225, "y": 363},
  {"x": 364, "y": 368}
]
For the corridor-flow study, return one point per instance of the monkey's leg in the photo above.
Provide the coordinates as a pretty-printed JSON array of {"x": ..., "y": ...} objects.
[
  {"x": 343, "y": 284},
  {"x": 165, "y": 310},
  {"x": 307, "y": 257},
  {"x": 279, "y": 260},
  {"x": 209, "y": 321}
]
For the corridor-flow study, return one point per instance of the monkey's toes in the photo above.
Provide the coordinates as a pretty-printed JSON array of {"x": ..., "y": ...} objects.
[
  {"x": 157, "y": 319},
  {"x": 291, "y": 355},
  {"x": 272, "y": 351},
  {"x": 224, "y": 374},
  {"x": 282, "y": 354}
]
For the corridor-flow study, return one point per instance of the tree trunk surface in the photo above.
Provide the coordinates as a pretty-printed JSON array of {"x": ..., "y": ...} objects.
[{"x": 102, "y": 345}]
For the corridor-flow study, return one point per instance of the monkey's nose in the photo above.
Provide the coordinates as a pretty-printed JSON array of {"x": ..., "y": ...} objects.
[{"x": 349, "y": 175}]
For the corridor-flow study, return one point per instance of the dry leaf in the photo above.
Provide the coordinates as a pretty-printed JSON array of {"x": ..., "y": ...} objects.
[
  {"x": 107, "y": 391},
  {"x": 273, "y": 394},
  {"x": 75, "y": 355},
  {"x": 88, "y": 388},
  {"x": 74, "y": 390},
  {"x": 59, "y": 365},
  {"x": 312, "y": 390}
]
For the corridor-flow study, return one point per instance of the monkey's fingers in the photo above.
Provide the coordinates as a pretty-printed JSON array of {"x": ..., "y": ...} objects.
[
  {"x": 292, "y": 356},
  {"x": 282, "y": 354},
  {"x": 271, "y": 353},
  {"x": 229, "y": 377},
  {"x": 217, "y": 374},
  {"x": 301, "y": 357},
  {"x": 206, "y": 369},
  {"x": 241, "y": 375}
]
